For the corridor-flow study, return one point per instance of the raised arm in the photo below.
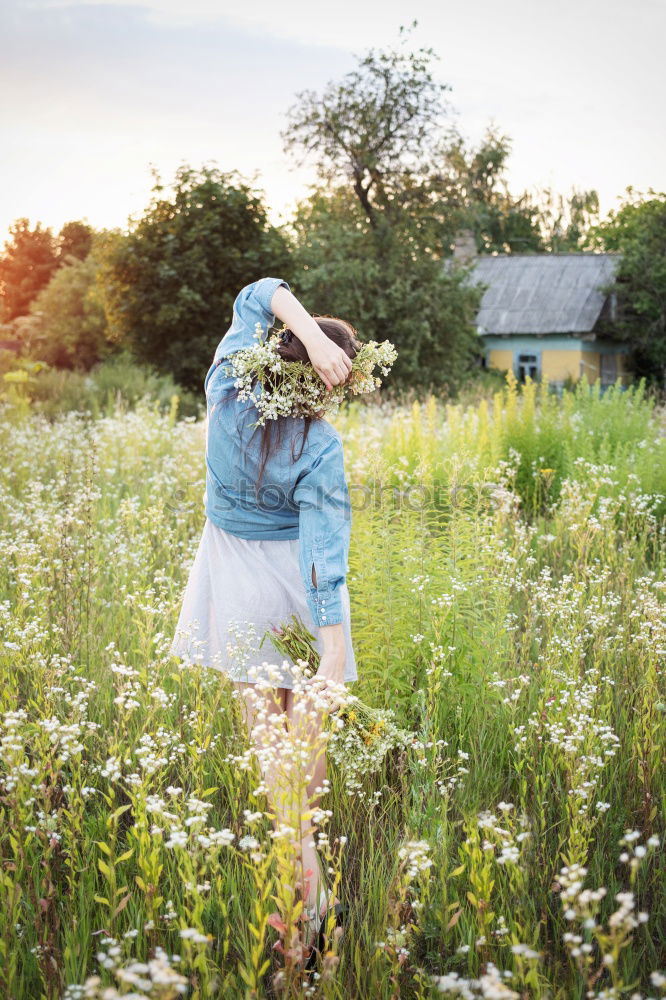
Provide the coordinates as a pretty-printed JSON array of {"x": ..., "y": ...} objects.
[
  {"x": 328, "y": 360},
  {"x": 251, "y": 306},
  {"x": 261, "y": 302}
]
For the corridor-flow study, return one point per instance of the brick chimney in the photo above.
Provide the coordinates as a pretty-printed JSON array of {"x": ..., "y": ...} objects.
[{"x": 464, "y": 248}]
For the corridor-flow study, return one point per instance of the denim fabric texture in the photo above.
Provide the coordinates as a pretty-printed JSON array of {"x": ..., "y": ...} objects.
[{"x": 303, "y": 493}]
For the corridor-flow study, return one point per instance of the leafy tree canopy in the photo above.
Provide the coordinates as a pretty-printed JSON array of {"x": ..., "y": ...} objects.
[
  {"x": 392, "y": 290},
  {"x": 27, "y": 264},
  {"x": 566, "y": 222},
  {"x": 637, "y": 230},
  {"x": 370, "y": 239},
  {"x": 385, "y": 129},
  {"x": 71, "y": 327},
  {"x": 32, "y": 256},
  {"x": 75, "y": 240},
  {"x": 171, "y": 282},
  {"x": 396, "y": 184},
  {"x": 470, "y": 190},
  {"x": 378, "y": 126}
]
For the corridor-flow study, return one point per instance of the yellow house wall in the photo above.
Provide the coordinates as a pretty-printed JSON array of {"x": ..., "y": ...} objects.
[
  {"x": 592, "y": 366},
  {"x": 500, "y": 359},
  {"x": 558, "y": 365}
]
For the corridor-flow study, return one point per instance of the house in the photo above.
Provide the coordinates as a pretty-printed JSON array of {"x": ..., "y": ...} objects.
[{"x": 546, "y": 315}]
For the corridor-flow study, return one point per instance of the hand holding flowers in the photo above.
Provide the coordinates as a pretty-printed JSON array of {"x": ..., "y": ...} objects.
[
  {"x": 330, "y": 362},
  {"x": 296, "y": 389},
  {"x": 362, "y": 736}
]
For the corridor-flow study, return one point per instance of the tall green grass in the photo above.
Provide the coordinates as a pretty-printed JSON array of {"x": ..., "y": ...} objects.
[{"x": 506, "y": 575}]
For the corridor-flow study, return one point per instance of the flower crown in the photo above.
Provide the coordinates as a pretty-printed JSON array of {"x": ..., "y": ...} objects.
[{"x": 296, "y": 390}]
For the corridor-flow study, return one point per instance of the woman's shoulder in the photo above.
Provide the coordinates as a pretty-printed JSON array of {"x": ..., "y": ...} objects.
[
  {"x": 325, "y": 434},
  {"x": 323, "y": 446}
]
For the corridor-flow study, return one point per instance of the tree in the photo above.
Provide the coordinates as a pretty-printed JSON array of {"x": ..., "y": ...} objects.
[
  {"x": 384, "y": 128},
  {"x": 379, "y": 127},
  {"x": 71, "y": 328},
  {"x": 402, "y": 294},
  {"x": 370, "y": 239},
  {"x": 27, "y": 264},
  {"x": 469, "y": 189},
  {"x": 567, "y": 222},
  {"x": 75, "y": 239},
  {"x": 171, "y": 282},
  {"x": 32, "y": 256},
  {"x": 637, "y": 230}
]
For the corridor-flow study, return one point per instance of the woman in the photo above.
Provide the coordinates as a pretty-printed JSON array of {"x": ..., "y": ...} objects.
[{"x": 276, "y": 535}]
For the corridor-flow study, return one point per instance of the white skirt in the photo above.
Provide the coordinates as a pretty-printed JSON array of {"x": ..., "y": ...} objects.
[{"x": 239, "y": 589}]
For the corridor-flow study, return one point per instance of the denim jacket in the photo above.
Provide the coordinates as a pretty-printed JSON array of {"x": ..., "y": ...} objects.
[{"x": 304, "y": 497}]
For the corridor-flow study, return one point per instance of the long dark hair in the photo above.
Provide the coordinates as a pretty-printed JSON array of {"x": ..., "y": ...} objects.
[{"x": 290, "y": 348}]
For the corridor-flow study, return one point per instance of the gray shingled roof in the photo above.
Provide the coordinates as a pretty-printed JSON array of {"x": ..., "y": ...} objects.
[{"x": 542, "y": 293}]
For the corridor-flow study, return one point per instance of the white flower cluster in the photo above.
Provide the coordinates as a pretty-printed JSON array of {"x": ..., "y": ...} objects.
[
  {"x": 146, "y": 980},
  {"x": 362, "y": 740},
  {"x": 296, "y": 388},
  {"x": 415, "y": 856},
  {"x": 489, "y": 985}
]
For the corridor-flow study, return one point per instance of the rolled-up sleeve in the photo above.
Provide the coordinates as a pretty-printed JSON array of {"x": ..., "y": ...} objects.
[
  {"x": 251, "y": 306},
  {"x": 324, "y": 521}
]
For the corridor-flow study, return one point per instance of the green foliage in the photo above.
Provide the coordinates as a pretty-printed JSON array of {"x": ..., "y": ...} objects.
[
  {"x": 469, "y": 190},
  {"x": 75, "y": 240},
  {"x": 637, "y": 230},
  {"x": 384, "y": 131},
  {"x": 567, "y": 223},
  {"x": 389, "y": 288},
  {"x": 379, "y": 124},
  {"x": 72, "y": 327},
  {"x": 394, "y": 190},
  {"x": 117, "y": 382},
  {"x": 171, "y": 283},
  {"x": 31, "y": 258},
  {"x": 541, "y": 439},
  {"x": 20, "y": 375}
]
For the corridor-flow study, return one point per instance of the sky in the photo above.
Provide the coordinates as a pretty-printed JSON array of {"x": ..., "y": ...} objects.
[{"x": 94, "y": 93}]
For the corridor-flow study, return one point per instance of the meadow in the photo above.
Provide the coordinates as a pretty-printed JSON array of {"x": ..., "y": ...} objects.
[{"x": 507, "y": 585}]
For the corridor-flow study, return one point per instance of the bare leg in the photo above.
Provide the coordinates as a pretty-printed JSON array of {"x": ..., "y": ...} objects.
[
  {"x": 265, "y": 708},
  {"x": 262, "y": 710},
  {"x": 253, "y": 701},
  {"x": 276, "y": 707},
  {"x": 317, "y": 767}
]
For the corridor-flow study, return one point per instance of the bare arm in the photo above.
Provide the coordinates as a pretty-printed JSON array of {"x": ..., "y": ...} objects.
[
  {"x": 332, "y": 663},
  {"x": 328, "y": 360}
]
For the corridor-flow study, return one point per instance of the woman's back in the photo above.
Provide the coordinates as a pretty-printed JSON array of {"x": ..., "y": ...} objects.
[
  {"x": 304, "y": 460},
  {"x": 235, "y": 499}
]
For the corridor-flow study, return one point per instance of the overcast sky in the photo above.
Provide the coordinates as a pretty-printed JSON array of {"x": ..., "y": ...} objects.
[{"x": 91, "y": 94}]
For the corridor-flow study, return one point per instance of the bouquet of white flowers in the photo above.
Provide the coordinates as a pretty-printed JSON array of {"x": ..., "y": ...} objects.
[
  {"x": 296, "y": 390},
  {"x": 362, "y": 736}
]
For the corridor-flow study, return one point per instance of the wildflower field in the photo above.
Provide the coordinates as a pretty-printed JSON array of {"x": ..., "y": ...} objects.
[{"x": 507, "y": 585}]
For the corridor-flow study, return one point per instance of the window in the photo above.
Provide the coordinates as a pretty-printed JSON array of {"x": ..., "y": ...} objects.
[{"x": 527, "y": 364}]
